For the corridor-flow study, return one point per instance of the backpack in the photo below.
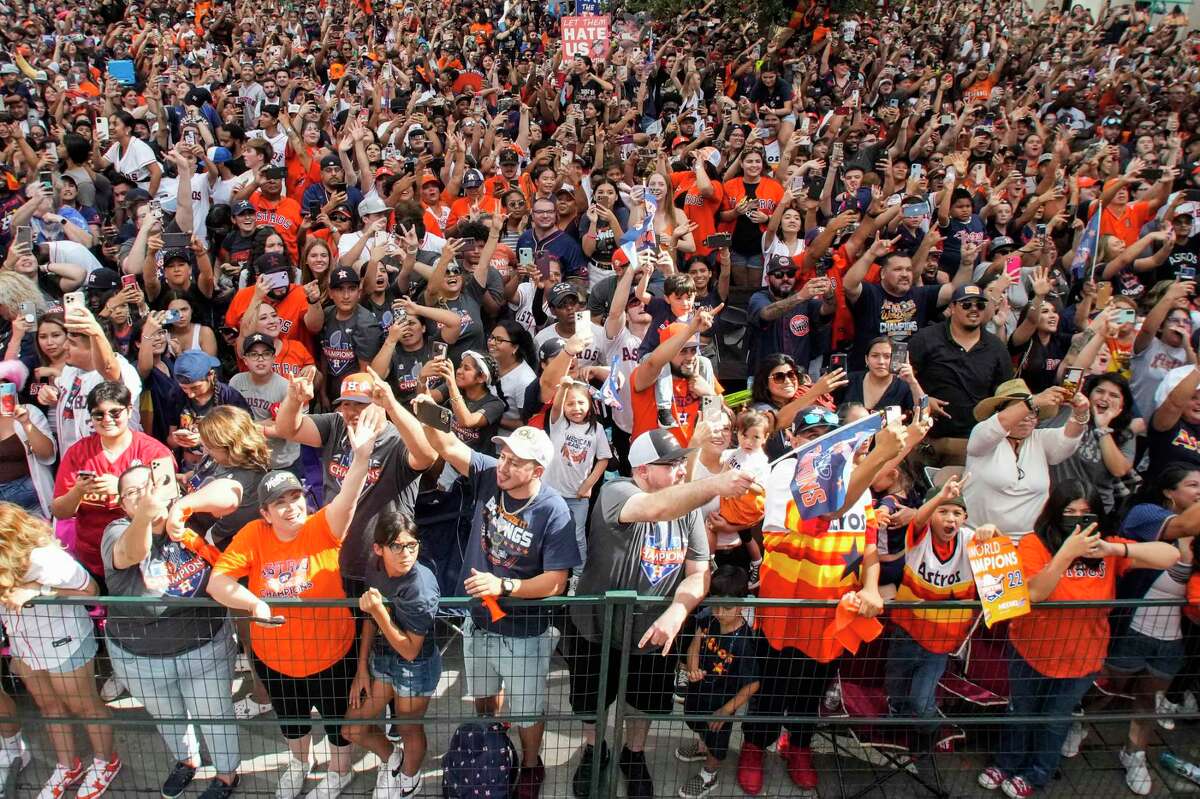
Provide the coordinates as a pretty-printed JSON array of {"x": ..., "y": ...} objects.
[{"x": 481, "y": 761}]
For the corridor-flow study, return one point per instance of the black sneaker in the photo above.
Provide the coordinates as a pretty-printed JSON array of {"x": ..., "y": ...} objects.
[
  {"x": 219, "y": 789},
  {"x": 638, "y": 784},
  {"x": 754, "y": 567},
  {"x": 666, "y": 418},
  {"x": 178, "y": 780},
  {"x": 581, "y": 782}
]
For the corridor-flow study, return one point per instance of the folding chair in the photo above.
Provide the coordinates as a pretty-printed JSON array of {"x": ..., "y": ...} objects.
[{"x": 859, "y": 693}]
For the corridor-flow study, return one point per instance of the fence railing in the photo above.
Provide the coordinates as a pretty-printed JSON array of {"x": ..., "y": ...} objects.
[{"x": 926, "y": 707}]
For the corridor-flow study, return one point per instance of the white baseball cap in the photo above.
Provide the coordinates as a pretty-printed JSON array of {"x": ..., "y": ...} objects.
[{"x": 529, "y": 443}]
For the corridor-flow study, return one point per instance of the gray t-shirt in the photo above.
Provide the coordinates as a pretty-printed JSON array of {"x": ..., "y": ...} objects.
[
  {"x": 169, "y": 570},
  {"x": 264, "y": 401},
  {"x": 391, "y": 485},
  {"x": 646, "y": 557}
]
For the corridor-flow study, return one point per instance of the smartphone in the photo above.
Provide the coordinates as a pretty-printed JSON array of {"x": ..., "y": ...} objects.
[
  {"x": 583, "y": 321},
  {"x": 84, "y": 474},
  {"x": 525, "y": 256},
  {"x": 1012, "y": 266},
  {"x": 162, "y": 473},
  {"x": 156, "y": 210},
  {"x": 8, "y": 399},
  {"x": 102, "y": 128},
  {"x": 853, "y": 102},
  {"x": 1103, "y": 295},
  {"x": 189, "y": 137},
  {"x": 172, "y": 317},
  {"x": 46, "y": 178},
  {"x": 1073, "y": 380},
  {"x": 52, "y": 150},
  {"x": 439, "y": 349},
  {"x": 274, "y": 173},
  {"x": 915, "y": 210},
  {"x": 838, "y": 151},
  {"x": 837, "y": 361},
  {"x": 25, "y": 236},
  {"x": 72, "y": 301},
  {"x": 1039, "y": 229},
  {"x": 314, "y": 211},
  {"x": 435, "y": 416},
  {"x": 717, "y": 240},
  {"x": 176, "y": 240},
  {"x": 1125, "y": 316},
  {"x": 274, "y": 621},
  {"x": 1186, "y": 273},
  {"x": 951, "y": 174},
  {"x": 915, "y": 171},
  {"x": 923, "y": 409},
  {"x": 129, "y": 281},
  {"x": 29, "y": 311},
  {"x": 796, "y": 184},
  {"x": 278, "y": 280},
  {"x": 899, "y": 356}
]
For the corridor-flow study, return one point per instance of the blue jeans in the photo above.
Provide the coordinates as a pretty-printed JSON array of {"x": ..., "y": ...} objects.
[
  {"x": 198, "y": 683},
  {"x": 579, "y": 511},
  {"x": 912, "y": 676},
  {"x": 1032, "y": 751},
  {"x": 21, "y": 492}
]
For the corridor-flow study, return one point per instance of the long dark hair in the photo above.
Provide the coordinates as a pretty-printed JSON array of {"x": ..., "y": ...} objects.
[
  {"x": 1154, "y": 491},
  {"x": 1125, "y": 417},
  {"x": 1049, "y": 524},
  {"x": 521, "y": 340},
  {"x": 759, "y": 392}
]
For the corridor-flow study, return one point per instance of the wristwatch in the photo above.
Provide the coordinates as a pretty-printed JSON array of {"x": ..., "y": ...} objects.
[{"x": 507, "y": 586}]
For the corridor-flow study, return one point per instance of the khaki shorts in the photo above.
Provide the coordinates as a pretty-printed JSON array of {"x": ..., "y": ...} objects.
[{"x": 520, "y": 666}]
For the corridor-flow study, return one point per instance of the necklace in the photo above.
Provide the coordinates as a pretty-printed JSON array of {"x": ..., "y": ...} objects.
[{"x": 519, "y": 510}]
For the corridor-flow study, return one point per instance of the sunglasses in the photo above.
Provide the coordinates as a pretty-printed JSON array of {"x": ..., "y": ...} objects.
[
  {"x": 112, "y": 413},
  {"x": 780, "y": 274},
  {"x": 453, "y": 270},
  {"x": 973, "y": 305},
  {"x": 826, "y": 418},
  {"x": 783, "y": 377}
]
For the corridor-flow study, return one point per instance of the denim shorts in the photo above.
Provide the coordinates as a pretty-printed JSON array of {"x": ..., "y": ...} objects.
[
  {"x": 82, "y": 656},
  {"x": 1134, "y": 652},
  {"x": 407, "y": 678}
]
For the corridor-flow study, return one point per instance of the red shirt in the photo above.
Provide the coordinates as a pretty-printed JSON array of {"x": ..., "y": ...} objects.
[{"x": 97, "y": 510}]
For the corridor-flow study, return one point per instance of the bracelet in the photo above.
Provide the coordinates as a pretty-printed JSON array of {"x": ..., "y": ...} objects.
[
  {"x": 1127, "y": 550},
  {"x": 1084, "y": 420}
]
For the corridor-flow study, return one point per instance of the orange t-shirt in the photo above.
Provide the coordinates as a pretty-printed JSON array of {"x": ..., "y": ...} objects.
[
  {"x": 1126, "y": 226},
  {"x": 980, "y": 91},
  {"x": 685, "y": 408},
  {"x": 291, "y": 312},
  {"x": 465, "y": 206},
  {"x": 312, "y": 639},
  {"x": 698, "y": 208},
  {"x": 768, "y": 193},
  {"x": 1066, "y": 642},
  {"x": 284, "y": 216},
  {"x": 297, "y": 178}
]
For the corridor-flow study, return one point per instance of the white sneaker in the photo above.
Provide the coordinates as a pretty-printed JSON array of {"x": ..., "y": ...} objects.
[
  {"x": 14, "y": 756},
  {"x": 386, "y": 782},
  {"x": 112, "y": 689},
  {"x": 291, "y": 782},
  {"x": 331, "y": 785},
  {"x": 409, "y": 785},
  {"x": 1074, "y": 739},
  {"x": 1137, "y": 773},
  {"x": 1189, "y": 703},
  {"x": 1165, "y": 707},
  {"x": 249, "y": 708},
  {"x": 62, "y": 781}
]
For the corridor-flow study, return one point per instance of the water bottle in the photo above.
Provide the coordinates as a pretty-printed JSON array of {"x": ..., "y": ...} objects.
[{"x": 1177, "y": 765}]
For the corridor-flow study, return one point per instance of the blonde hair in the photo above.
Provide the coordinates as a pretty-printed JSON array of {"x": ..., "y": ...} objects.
[
  {"x": 15, "y": 289},
  {"x": 233, "y": 430},
  {"x": 21, "y": 532}
]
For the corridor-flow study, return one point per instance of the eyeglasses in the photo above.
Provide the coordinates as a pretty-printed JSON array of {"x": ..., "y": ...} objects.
[
  {"x": 499, "y": 340},
  {"x": 135, "y": 491},
  {"x": 408, "y": 547},
  {"x": 111, "y": 413},
  {"x": 973, "y": 305},
  {"x": 820, "y": 417},
  {"x": 783, "y": 377},
  {"x": 259, "y": 355}
]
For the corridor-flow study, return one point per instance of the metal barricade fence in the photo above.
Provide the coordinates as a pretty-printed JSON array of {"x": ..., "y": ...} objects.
[{"x": 1094, "y": 698}]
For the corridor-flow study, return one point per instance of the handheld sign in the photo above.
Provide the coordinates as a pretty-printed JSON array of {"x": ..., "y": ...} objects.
[{"x": 998, "y": 579}]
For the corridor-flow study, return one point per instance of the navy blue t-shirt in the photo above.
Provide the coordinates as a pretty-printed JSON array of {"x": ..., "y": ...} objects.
[
  {"x": 794, "y": 333},
  {"x": 414, "y": 603},
  {"x": 518, "y": 539},
  {"x": 877, "y": 313}
]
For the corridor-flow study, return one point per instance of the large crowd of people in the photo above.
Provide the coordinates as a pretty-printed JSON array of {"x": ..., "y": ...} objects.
[{"x": 390, "y": 302}]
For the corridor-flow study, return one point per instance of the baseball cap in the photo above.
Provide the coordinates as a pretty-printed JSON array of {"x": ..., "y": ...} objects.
[
  {"x": 656, "y": 446},
  {"x": 675, "y": 328},
  {"x": 780, "y": 263},
  {"x": 344, "y": 276},
  {"x": 101, "y": 279},
  {"x": 330, "y": 160},
  {"x": 219, "y": 155},
  {"x": 1085, "y": 182},
  {"x": 473, "y": 179},
  {"x": 243, "y": 207},
  {"x": 1002, "y": 243},
  {"x": 197, "y": 97},
  {"x": 172, "y": 255},
  {"x": 271, "y": 262},
  {"x": 550, "y": 347},
  {"x": 9, "y": 69},
  {"x": 372, "y": 204},
  {"x": 509, "y": 156},
  {"x": 529, "y": 443},
  {"x": 816, "y": 416},
  {"x": 193, "y": 365},
  {"x": 563, "y": 292},
  {"x": 967, "y": 292},
  {"x": 275, "y": 485},
  {"x": 257, "y": 339},
  {"x": 357, "y": 388}
]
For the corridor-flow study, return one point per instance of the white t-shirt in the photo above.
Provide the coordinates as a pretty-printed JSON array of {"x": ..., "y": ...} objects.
[
  {"x": 278, "y": 144},
  {"x": 522, "y": 307},
  {"x": 72, "y": 421},
  {"x": 346, "y": 244},
  {"x": 577, "y": 447},
  {"x": 592, "y": 355},
  {"x": 47, "y": 636},
  {"x": 513, "y": 386},
  {"x": 201, "y": 200},
  {"x": 134, "y": 163},
  {"x": 625, "y": 347},
  {"x": 779, "y": 494}
]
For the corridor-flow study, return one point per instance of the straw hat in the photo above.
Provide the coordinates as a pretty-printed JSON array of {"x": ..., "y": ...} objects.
[{"x": 1006, "y": 393}]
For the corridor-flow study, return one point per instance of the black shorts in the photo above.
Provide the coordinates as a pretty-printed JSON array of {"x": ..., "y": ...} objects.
[
  {"x": 648, "y": 688},
  {"x": 295, "y": 697}
]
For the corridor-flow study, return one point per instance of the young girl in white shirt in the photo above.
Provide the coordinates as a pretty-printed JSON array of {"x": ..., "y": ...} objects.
[{"x": 582, "y": 451}]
